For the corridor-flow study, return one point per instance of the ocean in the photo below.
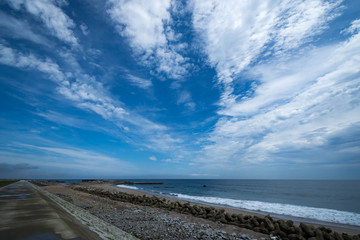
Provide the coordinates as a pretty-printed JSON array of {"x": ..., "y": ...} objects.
[{"x": 321, "y": 200}]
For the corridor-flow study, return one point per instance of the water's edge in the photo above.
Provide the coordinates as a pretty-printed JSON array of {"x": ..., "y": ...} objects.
[{"x": 349, "y": 220}]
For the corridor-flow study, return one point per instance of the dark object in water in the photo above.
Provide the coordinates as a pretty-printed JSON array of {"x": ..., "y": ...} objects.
[{"x": 204, "y": 185}]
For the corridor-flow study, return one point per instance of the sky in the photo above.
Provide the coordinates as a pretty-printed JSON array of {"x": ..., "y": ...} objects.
[{"x": 247, "y": 89}]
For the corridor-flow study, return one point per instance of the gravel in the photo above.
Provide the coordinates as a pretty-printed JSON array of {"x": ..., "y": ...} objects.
[
  {"x": 146, "y": 224},
  {"x": 152, "y": 223}
]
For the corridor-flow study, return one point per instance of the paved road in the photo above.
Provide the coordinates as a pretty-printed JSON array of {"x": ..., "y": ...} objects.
[{"x": 26, "y": 214}]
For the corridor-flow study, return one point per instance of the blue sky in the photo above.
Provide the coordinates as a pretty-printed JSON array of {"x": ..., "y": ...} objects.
[{"x": 180, "y": 89}]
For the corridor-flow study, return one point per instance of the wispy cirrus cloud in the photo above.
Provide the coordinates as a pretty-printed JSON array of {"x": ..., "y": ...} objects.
[
  {"x": 19, "y": 29},
  {"x": 354, "y": 28},
  {"x": 51, "y": 15},
  {"x": 234, "y": 38},
  {"x": 14, "y": 58},
  {"x": 85, "y": 92},
  {"x": 152, "y": 158},
  {"x": 6, "y": 167},
  {"x": 139, "y": 82},
  {"x": 25, "y": 156},
  {"x": 185, "y": 98},
  {"x": 297, "y": 112},
  {"x": 84, "y": 29},
  {"x": 259, "y": 124},
  {"x": 147, "y": 25},
  {"x": 73, "y": 153}
]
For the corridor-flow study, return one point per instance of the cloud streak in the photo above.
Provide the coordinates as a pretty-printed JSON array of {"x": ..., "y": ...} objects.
[
  {"x": 27, "y": 157},
  {"x": 87, "y": 93},
  {"x": 139, "y": 82},
  {"x": 297, "y": 108},
  {"x": 235, "y": 39},
  {"x": 51, "y": 15},
  {"x": 5, "y": 167},
  {"x": 147, "y": 25},
  {"x": 19, "y": 29}
]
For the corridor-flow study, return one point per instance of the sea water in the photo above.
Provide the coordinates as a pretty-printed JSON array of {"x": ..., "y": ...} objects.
[{"x": 323, "y": 200}]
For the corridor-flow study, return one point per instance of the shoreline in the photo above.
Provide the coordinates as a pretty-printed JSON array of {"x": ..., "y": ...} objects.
[
  {"x": 147, "y": 222},
  {"x": 263, "y": 213},
  {"x": 205, "y": 219},
  {"x": 297, "y": 220},
  {"x": 338, "y": 227}
]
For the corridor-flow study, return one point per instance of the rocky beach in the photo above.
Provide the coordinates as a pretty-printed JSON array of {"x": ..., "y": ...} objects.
[{"x": 148, "y": 216}]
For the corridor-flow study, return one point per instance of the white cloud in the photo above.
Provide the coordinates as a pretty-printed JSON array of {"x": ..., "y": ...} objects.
[
  {"x": 65, "y": 157},
  {"x": 299, "y": 106},
  {"x": 153, "y": 158},
  {"x": 169, "y": 160},
  {"x": 11, "y": 57},
  {"x": 139, "y": 82},
  {"x": 74, "y": 153},
  {"x": 235, "y": 34},
  {"x": 87, "y": 93},
  {"x": 354, "y": 28},
  {"x": 19, "y": 29},
  {"x": 147, "y": 25},
  {"x": 51, "y": 15},
  {"x": 142, "y": 21},
  {"x": 185, "y": 98},
  {"x": 201, "y": 175},
  {"x": 84, "y": 29}
]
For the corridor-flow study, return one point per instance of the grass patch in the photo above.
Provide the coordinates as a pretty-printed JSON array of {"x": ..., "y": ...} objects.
[{"x": 6, "y": 182}]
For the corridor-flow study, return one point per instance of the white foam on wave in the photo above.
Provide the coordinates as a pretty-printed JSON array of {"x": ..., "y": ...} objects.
[
  {"x": 321, "y": 214},
  {"x": 128, "y": 187}
]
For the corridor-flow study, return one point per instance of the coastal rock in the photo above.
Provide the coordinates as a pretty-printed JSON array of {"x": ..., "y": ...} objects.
[
  {"x": 298, "y": 230},
  {"x": 247, "y": 217},
  {"x": 290, "y": 223},
  {"x": 337, "y": 236},
  {"x": 283, "y": 226},
  {"x": 319, "y": 234},
  {"x": 307, "y": 230},
  {"x": 355, "y": 237},
  {"x": 280, "y": 233},
  {"x": 295, "y": 237},
  {"x": 263, "y": 229},
  {"x": 269, "y": 224},
  {"x": 284, "y": 230},
  {"x": 327, "y": 236},
  {"x": 240, "y": 218},
  {"x": 312, "y": 238},
  {"x": 254, "y": 222},
  {"x": 277, "y": 226},
  {"x": 346, "y": 236},
  {"x": 292, "y": 230},
  {"x": 324, "y": 229}
]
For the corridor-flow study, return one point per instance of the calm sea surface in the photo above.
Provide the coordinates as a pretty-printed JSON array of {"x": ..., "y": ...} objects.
[{"x": 331, "y": 201}]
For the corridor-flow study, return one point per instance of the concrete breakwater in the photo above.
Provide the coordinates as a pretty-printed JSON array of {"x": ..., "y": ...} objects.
[{"x": 267, "y": 225}]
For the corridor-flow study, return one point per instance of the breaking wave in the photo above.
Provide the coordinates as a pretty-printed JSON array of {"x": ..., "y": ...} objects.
[
  {"x": 128, "y": 187},
  {"x": 321, "y": 214}
]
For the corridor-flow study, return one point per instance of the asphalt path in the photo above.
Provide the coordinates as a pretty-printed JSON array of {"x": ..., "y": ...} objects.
[{"x": 27, "y": 214}]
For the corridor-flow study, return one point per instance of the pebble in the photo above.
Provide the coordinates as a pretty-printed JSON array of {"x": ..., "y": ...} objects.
[{"x": 148, "y": 225}]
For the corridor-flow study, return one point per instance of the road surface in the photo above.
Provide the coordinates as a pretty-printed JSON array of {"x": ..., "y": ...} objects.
[{"x": 27, "y": 214}]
